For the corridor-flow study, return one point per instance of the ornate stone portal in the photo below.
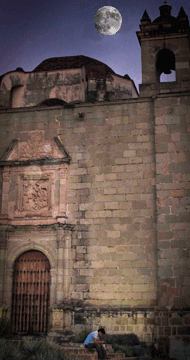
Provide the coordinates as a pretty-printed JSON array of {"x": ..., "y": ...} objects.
[
  {"x": 34, "y": 181},
  {"x": 33, "y": 211}
]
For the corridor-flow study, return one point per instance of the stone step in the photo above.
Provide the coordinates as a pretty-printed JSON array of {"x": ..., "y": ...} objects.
[
  {"x": 83, "y": 350},
  {"x": 83, "y": 354},
  {"x": 79, "y": 345},
  {"x": 94, "y": 356}
]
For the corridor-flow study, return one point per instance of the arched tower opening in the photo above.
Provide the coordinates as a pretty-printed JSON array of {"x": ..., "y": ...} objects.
[
  {"x": 31, "y": 293},
  {"x": 165, "y": 52},
  {"x": 165, "y": 64}
]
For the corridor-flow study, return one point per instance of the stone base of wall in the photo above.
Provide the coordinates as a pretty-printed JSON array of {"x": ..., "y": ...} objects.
[
  {"x": 168, "y": 330},
  {"x": 172, "y": 323},
  {"x": 172, "y": 332},
  {"x": 114, "y": 320}
]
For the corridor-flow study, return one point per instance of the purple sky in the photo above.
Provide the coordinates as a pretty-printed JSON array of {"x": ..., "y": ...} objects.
[{"x": 35, "y": 30}]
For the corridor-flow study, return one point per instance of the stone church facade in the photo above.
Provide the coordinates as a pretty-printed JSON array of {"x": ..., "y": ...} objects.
[{"x": 94, "y": 216}]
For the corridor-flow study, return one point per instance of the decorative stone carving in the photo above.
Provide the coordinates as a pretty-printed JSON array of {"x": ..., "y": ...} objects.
[
  {"x": 35, "y": 148},
  {"x": 35, "y": 195},
  {"x": 64, "y": 171},
  {"x": 60, "y": 238},
  {"x": 6, "y": 176},
  {"x": 3, "y": 241},
  {"x": 34, "y": 192}
]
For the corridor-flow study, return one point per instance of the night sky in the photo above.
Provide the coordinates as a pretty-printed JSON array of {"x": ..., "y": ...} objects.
[{"x": 32, "y": 31}]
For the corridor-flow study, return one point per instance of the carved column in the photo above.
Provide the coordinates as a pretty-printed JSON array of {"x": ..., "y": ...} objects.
[
  {"x": 63, "y": 188},
  {"x": 2, "y": 264},
  {"x": 5, "y": 192},
  {"x": 63, "y": 263}
]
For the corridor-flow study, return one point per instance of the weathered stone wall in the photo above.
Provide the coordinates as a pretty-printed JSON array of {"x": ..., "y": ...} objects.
[
  {"x": 172, "y": 116},
  {"x": 127, "y": 198},
  {"x": 111, "y": 201},
  {"x": 117, "y": 321},
  {"x": 23, "y": 89},
  {"x": 20, "y": 89},
  {"x": 111, "y": 196},
  {"x": 172, "y": 323}
]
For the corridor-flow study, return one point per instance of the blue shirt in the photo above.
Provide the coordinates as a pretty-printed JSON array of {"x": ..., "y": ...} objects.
[{"x": 90, "y": 338}]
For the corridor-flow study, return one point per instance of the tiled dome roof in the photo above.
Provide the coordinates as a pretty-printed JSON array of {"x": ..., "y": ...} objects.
[{"x": 94, "y": 68}]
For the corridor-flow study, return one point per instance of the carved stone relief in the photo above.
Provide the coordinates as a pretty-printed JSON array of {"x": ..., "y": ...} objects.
[
  {"x": 6, "y": 176},
  {"x": 35, "y": 148},
  {"x": 34, "y": 191},
  {"x": 35, "y": 195},
  {"x": 64, "y": 171}
]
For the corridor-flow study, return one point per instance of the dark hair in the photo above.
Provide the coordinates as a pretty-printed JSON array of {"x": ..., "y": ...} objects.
[{"x": 102, "y": 331}]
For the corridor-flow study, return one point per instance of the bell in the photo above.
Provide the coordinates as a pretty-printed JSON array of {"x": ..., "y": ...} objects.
[
  {"x": 165, "y": 64},
  {"x": 167, "y": 71}
]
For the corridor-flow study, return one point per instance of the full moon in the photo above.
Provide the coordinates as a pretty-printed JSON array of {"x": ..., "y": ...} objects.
[{"x": 108, "y": 20}]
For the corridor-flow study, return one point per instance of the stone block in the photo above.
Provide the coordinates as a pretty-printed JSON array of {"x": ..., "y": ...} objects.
[
  {"x": 164, "y": 179},
  {"x": 172, "y": 119},
  {"x": 141, "y": 204},
  {"x": 183, "y": 330},
  {"x": 57, "y": 319},
  {"x": 111, "y": 205},
  {"x": 165, "y": 272},
  {"x": 113, "y": 234},
  {"x": 129, "y": 153},
  {"x": 177, "y": 193},
  {"x": 112, "y": 176},
  {"x": 164, "y": 244},
  {"x": 176, "y": 320},
  {"x": 121, "y": 161},
  {"x": 135, "y": 160}
]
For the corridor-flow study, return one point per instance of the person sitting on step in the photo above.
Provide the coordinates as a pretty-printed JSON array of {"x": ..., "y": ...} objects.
[{"x": 93, "y": 341}]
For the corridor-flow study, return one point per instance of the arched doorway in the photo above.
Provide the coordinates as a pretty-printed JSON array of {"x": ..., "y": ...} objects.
[{"x": 31, "y": 293}]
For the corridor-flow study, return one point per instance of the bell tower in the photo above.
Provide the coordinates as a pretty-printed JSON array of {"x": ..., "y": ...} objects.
[{"x": 165, "y": 46}]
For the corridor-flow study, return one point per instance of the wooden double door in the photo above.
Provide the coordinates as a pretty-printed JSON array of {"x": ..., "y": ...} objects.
[{"x": 31, "y": 293}]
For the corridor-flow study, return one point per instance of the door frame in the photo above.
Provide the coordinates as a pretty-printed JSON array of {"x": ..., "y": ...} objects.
[{"x": 30, "y": 301}]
